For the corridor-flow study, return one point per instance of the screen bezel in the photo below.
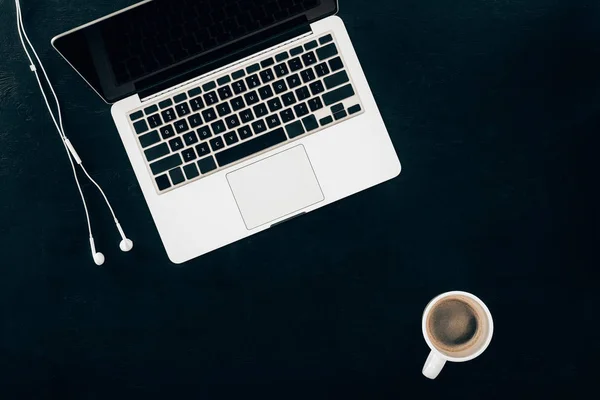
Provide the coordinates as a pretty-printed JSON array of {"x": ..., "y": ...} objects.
[{"x": 312, "y": 16}]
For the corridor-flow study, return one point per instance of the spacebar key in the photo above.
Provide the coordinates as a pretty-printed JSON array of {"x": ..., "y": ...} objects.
[{"x": 251, "y": 147}]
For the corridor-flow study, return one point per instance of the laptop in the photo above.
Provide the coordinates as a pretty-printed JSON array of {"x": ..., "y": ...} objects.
[{"x": 236, "y": 115}]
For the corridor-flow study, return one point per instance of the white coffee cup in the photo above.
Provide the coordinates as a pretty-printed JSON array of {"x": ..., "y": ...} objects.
[{"x": 482, "y": 330}]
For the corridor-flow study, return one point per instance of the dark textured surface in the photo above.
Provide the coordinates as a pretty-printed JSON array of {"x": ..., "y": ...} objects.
[{"x": 494, "y": 107}]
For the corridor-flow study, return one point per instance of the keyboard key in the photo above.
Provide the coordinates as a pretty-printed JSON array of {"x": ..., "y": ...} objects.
[
  {"x": 259, "y": 126},
  {"x": 316, "y": 88},
  {"x": 209, "y": 115},
  {"x": 295, "y": 64},
  {"x": 337, "y": 108},
  {"x": 274, "y": 104},
  {"x": 232, "y": 121},
  {"x": 204, "y": 133},
  {"x": 280, "y": 86},
  {"x": 267, "y": 63},
  {"x": 288, "y": 99},
  {"x": 325, "y": 121},
  {"x": 287, "y": 115},
  {"x": 149, "y": 139},
  {"x": 273, "y": 121},
  {"x": 354, "y": 109},
  {"x": 327, "y": 51},
  {"x": 167, "y": 132},
  {"x": 267, "y": 75},
  {"x": 309, "y": 58},
  {"x": 223, "y": 80},
  {"x": 238, "y": 74},
  {"x": 281, "y": 70},
  {"x": 197, "y": 103},
  {"x": 176, "y": 176},
  {"x": 157, "y": 151},
  {"x": 190, "y": 138},
  {"x": 188, "y": 155},
  {"x": 217, "y": 143},
  {"x": 293, "y": 81},
  {"x": 244, "y": 132},
  {"x": 209, "y": 86},
  {"x": 151, "y": 109},
  {"x": 307, "y": 75},
  {"x": 253, "y": 81},
  {"x": 202, "y": 149},
  {"x": 218, "y": 127},
  {"x": 253, "y": 68},
  {"x": 282, "y": 56},
  {"x": 336, "y": 79},
  {"x": 223, "y": 109},
  {"x": 141, "y": 126},
  {"x": 315, "y": 104},
  {"x": 180, "y": 97},
  {"x": 163, "y": 182},
  {"x": 311, "y": 45},
  {"x": 251, "y": 97},
  {"x": 325, "y": 39},
  {"x": 336, "y": 64},
  {"x": 136, "y": 115},
  {"x": 250, "y": 147},
  {"x": 294, "y": 129},
  {"x": 211, "y": 98},
  {"x": 265, "y": 92},
  {"x": 182, "y": 109},
  {"x": 206, "y": 165},
  {"x": 194, "y": 92},
  {"x": 301, "y": 109},
  {"x": 195, "y": 120},
  {"x": 310, "y": 123},
  {"x": 191, "y": 171},
  {"x": 225, "y": 93},
  {"x": 296, "y": 50},
  {"x": 165, "y": 103},
  {"x": 181, "y": 126},
  {"x": 246, "y": 115},
  {"x": 338, "y": 95},
  {"x": 322, "y": 69},
  {"x": 239, "y": 87},
  {"x": 168, "y": 115},
  {"x": 230, "y": 138},
  {"x": 176, "y": 144},
  {"x": 154, "y": 120},
  {"x": 238, "y": 103},
  {"x": 302, "y": 93},
  {"x": 340, "y": 115},
  {"x": 260, "y": 110}
]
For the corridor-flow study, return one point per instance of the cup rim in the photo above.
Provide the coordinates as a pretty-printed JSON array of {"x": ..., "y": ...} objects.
[{"x": 472, "y": 297}]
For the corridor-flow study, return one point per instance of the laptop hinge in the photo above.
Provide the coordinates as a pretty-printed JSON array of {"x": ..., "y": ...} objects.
[{"x": 213, "y": 67}]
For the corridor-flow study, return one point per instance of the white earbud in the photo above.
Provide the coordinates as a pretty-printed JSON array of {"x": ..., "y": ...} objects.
[
  {"x": 126, "y": 244},
  {"x": 96, "y": 255}
]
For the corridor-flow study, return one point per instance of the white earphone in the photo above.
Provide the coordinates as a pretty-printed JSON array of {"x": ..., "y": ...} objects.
[{"x": 126, "y": 244}]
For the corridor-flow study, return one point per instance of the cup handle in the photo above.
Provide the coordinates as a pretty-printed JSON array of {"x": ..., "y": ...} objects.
[{"x": 433, "y": 365}]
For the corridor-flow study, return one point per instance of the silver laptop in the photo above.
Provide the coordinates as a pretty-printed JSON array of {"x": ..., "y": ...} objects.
[{"x": 236, "y": 115}]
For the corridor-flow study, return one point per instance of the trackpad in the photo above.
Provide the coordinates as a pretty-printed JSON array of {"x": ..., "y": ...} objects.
[{"x": 278, "y": 186}]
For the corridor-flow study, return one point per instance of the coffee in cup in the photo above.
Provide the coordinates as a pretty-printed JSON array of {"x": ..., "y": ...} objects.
[{"x": 458, "y": 327}]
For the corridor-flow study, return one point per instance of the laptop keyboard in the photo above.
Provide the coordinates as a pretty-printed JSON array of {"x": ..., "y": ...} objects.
[{"x": 226, "y": 120}]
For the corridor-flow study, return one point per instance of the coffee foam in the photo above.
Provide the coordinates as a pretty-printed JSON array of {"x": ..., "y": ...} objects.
[{"x": 455, "y": 325}]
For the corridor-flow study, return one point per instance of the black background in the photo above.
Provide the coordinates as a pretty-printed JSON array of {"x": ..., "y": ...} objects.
[{"x": 494, "y": 108}]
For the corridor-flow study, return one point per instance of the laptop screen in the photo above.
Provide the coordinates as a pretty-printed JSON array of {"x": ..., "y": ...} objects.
[{"x": 144, "y": 45}]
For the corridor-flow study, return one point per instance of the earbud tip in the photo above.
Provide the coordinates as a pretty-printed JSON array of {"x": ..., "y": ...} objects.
[
  {"x": 99, "y": 259},
  {"x": 126, "y": 245}
]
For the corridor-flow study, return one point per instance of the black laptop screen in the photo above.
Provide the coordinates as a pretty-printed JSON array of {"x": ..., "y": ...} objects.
[{"x": 124, "y": 54}]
